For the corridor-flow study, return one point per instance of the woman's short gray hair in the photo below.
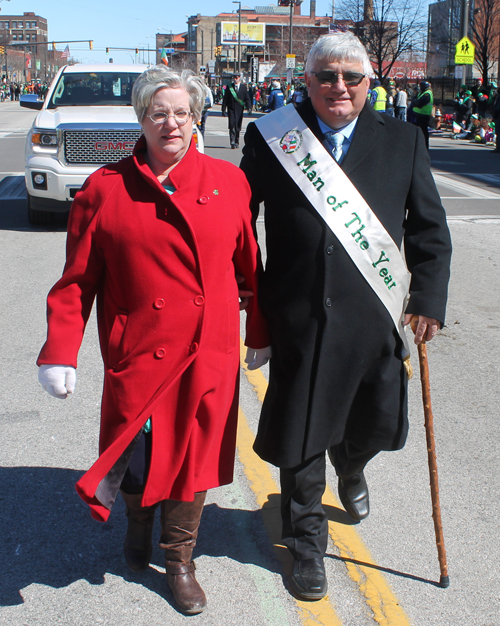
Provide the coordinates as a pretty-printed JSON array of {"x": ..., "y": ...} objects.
[
  {"x": 339, "y": 47},
  {"x": 160, "y": 77}
]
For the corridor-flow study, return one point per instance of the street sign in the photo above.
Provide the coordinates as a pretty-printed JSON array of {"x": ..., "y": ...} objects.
[
  {"x": 465, "y": 52},
  {"x": 290, "y": 61},
  {"x": 458, "y": 71},
  {"x": 255, "y": 69}
]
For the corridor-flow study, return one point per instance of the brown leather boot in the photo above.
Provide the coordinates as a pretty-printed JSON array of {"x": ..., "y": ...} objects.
[
  {"x": 179, "y": 529},
  {"x": 138, "y": 546}
]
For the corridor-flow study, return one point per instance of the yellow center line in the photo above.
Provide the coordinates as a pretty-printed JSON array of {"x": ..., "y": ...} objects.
[
  {"x": 371, "y": 582},
  {"x": 266, "y": 492}
]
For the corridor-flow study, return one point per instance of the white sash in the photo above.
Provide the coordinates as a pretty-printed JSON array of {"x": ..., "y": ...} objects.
[{"x": 342, "y": 207}]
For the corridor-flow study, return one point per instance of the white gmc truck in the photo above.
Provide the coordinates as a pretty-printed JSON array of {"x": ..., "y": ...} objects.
[{"x": 85, "y": 121}]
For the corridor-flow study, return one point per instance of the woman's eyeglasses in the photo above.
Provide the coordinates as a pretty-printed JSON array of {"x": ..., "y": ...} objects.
[
  {"x": 180, "y": 117},
  {"x": 327, "y": 77}
]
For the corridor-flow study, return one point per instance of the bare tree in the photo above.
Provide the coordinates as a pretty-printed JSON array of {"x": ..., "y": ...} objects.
[
  {"x": 485, "y": 31},
  {"x": 388, "y": 28}
]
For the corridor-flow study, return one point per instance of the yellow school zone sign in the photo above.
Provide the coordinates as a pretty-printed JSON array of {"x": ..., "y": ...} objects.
[{"x": 464, "y": 52}]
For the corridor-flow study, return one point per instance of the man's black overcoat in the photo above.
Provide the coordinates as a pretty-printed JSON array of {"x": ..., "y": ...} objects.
[
  {"x": 336, "y": 370},
  {"x": 232, "y": 105}
]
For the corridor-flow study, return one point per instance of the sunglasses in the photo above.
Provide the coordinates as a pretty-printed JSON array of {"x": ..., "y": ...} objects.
[{"x": 327, "y": 77}]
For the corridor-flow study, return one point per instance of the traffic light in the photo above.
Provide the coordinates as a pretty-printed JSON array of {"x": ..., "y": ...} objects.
[
  {"x": 2, "y": 49},
  {"x": 91, "y": 44},
  {"x": 107, "y": 50},
  {"x": 137, "y": 50}
]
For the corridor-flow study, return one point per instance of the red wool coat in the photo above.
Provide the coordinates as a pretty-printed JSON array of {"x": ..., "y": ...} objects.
[{"x": 163, "y": 269}]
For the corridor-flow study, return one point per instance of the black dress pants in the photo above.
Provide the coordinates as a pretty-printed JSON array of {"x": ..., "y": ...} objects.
[
  {"x": 423, "y": 123},
  {"x": 235, "y": 119},
  {"x": 304, "y": 521}
]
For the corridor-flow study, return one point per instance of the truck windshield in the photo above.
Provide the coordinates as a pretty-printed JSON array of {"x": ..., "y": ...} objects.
[{"x": 93, "y": 89}]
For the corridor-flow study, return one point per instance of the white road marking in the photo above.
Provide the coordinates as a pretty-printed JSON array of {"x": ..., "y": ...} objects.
[
  {"x": 473, "y": 218},
  {"x": 471, "y": 191}
]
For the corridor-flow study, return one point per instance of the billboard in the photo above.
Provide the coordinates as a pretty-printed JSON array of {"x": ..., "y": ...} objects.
[{"x": 252, "y": 34}]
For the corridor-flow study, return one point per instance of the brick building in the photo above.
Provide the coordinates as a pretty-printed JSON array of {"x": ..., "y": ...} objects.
[
  {"x": 25, "y": 53},
  {"x": 204, "y": 35}
]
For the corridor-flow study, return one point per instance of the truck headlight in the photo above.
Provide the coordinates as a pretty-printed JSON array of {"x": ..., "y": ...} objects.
[{"x": 44, "y": 140}]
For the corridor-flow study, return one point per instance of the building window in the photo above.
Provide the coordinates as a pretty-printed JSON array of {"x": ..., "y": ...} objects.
[
  {"x": 6, "y": 24},
  {"x": 33, "y": 37},
  {"x": 19, "y": 24},
  {"x": 14, "y": 24},
  {"x": 33, "y": 24},
  {"x": 14, "y": 37}
]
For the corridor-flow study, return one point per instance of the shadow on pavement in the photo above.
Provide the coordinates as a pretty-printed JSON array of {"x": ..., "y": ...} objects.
[
  {"x": 14, "y": 216},
  {"x": 48, "y": 537},
  {"x": 468, "y": 160}
]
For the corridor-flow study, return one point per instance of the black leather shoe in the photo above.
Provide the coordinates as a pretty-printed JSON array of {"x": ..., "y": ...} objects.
[
  {"x": 353, "y": 493},
  {"x": 308, "y": 579}
]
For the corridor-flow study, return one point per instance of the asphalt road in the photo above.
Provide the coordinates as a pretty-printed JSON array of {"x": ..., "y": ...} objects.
[{"x": 58, "y": 567}]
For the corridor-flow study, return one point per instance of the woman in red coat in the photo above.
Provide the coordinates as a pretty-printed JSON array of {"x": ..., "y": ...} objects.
[{"x": 158, "y": 238}]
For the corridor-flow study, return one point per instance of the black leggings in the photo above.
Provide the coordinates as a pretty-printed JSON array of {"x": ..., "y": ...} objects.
[{"x": 137, "y": 471}]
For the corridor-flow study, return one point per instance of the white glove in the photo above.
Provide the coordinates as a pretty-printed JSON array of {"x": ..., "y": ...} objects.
[
  {"x": 58, "y": 380},
  {"x": 257, "y": 357}
]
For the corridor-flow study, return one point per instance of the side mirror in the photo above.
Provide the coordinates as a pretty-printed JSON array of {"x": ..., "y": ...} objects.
[{"x": 31, "y": 101}]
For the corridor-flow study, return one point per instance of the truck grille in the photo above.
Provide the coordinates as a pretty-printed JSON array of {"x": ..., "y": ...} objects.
[{"x": 91, "y": 147}]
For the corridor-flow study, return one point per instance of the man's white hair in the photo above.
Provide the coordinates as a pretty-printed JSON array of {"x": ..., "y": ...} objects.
[{"x": 339, "y": 47}]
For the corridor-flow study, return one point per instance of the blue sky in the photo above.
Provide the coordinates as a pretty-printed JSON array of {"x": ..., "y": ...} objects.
[{"x": 124, "y": 23}]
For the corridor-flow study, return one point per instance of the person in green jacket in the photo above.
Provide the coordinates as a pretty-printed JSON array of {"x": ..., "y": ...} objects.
[{"x": 422, "y": 108}]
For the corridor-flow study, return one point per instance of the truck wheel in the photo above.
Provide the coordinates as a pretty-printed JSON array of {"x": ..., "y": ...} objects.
[{"x": 39, "y": 218}]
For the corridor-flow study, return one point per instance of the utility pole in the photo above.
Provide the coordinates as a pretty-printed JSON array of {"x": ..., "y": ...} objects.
[
  {"x": 239, "y": 33},
  {"x": 465, "y": 30}
]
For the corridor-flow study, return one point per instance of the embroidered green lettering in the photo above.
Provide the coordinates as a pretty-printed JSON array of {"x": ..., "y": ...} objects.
[
  {"x": 356, "y": 217},
  {"x": 383, "y": 272},
  {"x": 391, "y": 286},
  {"x": 357, "y": 235},
  {"x": 340, "y": 204},
  {"x": 382, "y": 259},
  {"x": 331, "y": 200},
  {"x": 310, "y": 175},
  {"x": 319, "y": 184},
  {"x": 306, "y": 163},
  {"x": 364, "y": 245},
  {"x": 388, "y": 279}
]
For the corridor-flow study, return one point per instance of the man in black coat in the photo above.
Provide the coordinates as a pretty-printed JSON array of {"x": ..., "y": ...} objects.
[
  {"x": 236, "y": 99},
  {"x": 337, "y": 379}
]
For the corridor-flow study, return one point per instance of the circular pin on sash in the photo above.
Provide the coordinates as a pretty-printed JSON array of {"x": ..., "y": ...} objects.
[{"x": 291, "y": 141}]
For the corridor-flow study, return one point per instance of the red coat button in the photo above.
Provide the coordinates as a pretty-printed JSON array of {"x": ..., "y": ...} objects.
[
  {"x": 199, "y": 300},
  {"x": 160, "y": 353},
  {"x": 159, "y": 303},
  {"x": 194, "y": 347},
  {"x": 203, "y": 200}
]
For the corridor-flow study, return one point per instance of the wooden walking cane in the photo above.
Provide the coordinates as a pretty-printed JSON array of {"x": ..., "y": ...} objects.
[{"x": 444, "y": 580}]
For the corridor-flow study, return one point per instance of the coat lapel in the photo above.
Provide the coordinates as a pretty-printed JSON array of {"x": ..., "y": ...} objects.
[
  {"x": 368, "y": 129},
  {"x": 370, "y": 125}
]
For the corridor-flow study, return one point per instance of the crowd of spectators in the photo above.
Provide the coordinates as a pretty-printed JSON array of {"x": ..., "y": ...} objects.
[{"x": 12, "y": 90}]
